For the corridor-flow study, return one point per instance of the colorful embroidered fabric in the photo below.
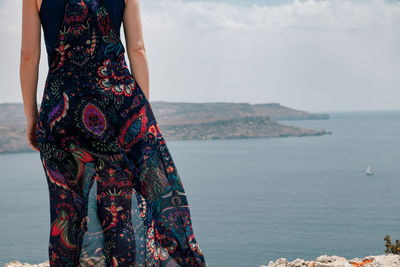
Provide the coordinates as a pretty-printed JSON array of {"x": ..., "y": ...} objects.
[{"x": 116, "y": 198}]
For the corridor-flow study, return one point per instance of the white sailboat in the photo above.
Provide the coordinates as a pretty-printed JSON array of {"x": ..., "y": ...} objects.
[{"x": 369, "y": 171}]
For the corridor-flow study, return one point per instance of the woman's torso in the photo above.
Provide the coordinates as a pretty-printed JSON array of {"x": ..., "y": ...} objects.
[{"x": 52, "y": 11}]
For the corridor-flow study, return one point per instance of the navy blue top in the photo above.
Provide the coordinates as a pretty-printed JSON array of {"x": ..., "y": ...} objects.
[{"x": 52, "y": 13}]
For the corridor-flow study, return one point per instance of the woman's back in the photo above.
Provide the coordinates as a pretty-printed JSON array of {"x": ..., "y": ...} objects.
[{"x": 52, "y": 13}]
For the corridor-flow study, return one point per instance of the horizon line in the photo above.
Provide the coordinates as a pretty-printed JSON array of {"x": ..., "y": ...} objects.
[{"x": 226, "y": 102}]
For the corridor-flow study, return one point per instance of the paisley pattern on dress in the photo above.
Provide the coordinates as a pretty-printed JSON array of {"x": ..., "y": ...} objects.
[
  {"x": 94, "y": 120},
  {"x": 116, "y": 198}
]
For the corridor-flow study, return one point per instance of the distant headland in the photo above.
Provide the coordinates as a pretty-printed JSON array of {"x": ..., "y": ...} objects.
[{"x": 188, "y": 121}]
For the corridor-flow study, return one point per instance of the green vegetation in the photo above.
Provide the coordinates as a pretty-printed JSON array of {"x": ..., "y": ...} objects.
[{"x": 390, "y": 247}]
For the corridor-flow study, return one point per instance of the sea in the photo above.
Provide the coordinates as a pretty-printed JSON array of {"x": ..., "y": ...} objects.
[{"x": 253, "y": 200}]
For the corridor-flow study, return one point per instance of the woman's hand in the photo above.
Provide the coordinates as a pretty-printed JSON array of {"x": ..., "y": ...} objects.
[{"x": 31, "y": 132}]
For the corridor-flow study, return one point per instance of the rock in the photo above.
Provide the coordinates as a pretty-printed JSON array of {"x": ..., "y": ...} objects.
[
  {"x": 19, "y": 264},
  {"x": 389, "y": 260},
  {"x": 84, "y": 262},
  {"x": 331, "y": 261},
  {"x": 386, "y": 260}
]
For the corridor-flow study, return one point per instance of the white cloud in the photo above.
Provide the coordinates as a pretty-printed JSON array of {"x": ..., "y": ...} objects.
[{"x": 311, "y": 14}]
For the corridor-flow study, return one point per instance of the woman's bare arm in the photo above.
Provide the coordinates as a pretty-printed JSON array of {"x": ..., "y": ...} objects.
[
  {"x": 135, "y": 45},
  {"x": 29, "y": 64}
]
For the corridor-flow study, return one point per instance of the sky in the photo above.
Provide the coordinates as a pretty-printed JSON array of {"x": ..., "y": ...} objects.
[{"x": 326, "y": 55}]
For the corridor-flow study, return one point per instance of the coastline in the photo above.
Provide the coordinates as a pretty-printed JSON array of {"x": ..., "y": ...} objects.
[
  {"x": 189, "y": 121},
  {"x": 386, "y": 260}
]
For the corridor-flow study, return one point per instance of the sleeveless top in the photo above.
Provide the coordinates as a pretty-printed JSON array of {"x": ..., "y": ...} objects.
[{"x": 52, "y": 11}]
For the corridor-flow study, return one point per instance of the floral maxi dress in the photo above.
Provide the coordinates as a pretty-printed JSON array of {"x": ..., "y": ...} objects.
[{"x": 116, "y": 198}]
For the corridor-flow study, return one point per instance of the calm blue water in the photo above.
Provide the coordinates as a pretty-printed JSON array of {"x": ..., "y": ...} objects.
[{"x": 253, "y": 200}]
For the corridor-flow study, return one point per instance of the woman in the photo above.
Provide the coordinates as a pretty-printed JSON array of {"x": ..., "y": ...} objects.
[{"x": 116, "y": 198}]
